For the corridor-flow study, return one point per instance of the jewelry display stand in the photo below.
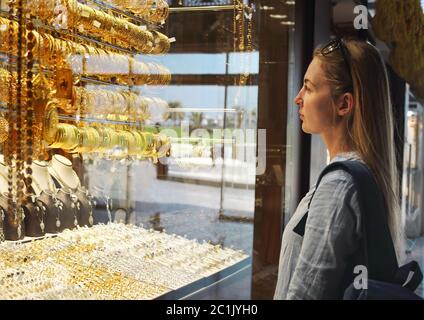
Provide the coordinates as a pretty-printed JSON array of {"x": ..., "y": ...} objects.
[
  {"x": 41, "y": 179},
  {"x": 3, "y": 176},
  {"x": 76, "y": 201},
  {"x": 172, "y": 266},
  {"x": 60, "y": 169}
]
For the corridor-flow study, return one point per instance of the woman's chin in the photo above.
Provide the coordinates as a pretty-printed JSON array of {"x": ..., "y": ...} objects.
[{"x": 305, "y": 128}]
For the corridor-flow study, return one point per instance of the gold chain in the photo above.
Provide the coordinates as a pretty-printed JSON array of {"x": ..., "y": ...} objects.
[
  {"x": 29, "y": 112},
  {"x": 10, "y": 147}
]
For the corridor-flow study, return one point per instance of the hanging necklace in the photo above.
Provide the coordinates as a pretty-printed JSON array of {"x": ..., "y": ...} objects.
[
  {"x": 74, "y": 198},
  {"x": 90, "y": 204},
  {"x": 18, "y": 214},
  {"x": 33, "y": 182},
  {"x": 40, "y": 219},
  {"x": 59, "y": 206},
  {"x": 75, "y": 205},
  {"x": 56, "y": 203},
  {"x": 2, "y": 221}
]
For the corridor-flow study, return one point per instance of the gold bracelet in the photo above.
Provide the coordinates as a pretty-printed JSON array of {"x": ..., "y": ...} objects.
[{"x": 51, "y": 122}]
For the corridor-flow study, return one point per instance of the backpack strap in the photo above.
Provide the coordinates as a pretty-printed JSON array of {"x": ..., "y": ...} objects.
[
  {"x": 300, "y": 227},
  {"x": 376, "y": 238},
  {"x": 409, "y": 275}
]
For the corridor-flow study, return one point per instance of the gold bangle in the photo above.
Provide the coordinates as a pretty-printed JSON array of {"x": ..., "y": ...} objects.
[
  {"x": 138, "y": 143},
  {"x": 105, "y": 139},
  {"x": 132, "y": 143},
  {"x": 51, "y": 122},
  {"x": 148, "y": 149}
]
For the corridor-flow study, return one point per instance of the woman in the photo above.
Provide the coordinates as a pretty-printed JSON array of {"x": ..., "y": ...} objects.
[{"x": 345, "y": 99}]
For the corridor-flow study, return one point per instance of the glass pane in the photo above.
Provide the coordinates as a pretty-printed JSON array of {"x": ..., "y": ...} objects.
[
  {"x": 132, "y": 158},
  {"x": 412, "y": 184}
]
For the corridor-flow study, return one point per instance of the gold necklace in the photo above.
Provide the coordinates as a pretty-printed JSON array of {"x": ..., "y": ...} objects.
[
  {"x": 2, "y": 216},
  {"x": 18, "y": 213},
  {"x": 38, "y": 211}
]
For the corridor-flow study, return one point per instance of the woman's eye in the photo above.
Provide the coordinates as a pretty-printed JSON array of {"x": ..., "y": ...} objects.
[{"x": 307, "y": 88}]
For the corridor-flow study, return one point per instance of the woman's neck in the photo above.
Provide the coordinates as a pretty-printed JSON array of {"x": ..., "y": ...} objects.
[{"x": 336, "y": 142}]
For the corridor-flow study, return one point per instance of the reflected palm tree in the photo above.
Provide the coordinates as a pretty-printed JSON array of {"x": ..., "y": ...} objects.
[
  {"x": 197, "y": 118},
  {"x": 176, "y": 117},
  {"x": 253, "y": 116},
  {"x": 239, "y": 116}
]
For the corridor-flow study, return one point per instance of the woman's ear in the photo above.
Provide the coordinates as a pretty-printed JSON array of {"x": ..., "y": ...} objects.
[{"x": 345, "y": 104}]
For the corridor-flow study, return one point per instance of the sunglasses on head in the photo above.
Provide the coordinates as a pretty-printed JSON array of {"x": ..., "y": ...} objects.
[{"x": 334, "y": 45}]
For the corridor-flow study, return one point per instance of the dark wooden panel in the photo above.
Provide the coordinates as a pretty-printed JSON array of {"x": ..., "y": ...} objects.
[
  {"x": 211, "y": 79},
  {"x": 272, "y": 116}
]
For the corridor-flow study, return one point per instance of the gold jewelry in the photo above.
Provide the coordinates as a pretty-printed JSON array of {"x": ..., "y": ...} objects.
[
  {"x": 51, "y": 122},
  {"x": 147, "y": 147},
  {"x": 163, "y": 145},
  {"x": 159, "y": 12},
  {"x": 4, "y": 129},
  {"x": 67, "y": 137},
  {"x": 105, "y": 139},
  {"x": 161, "y": 43},
  {"x": 114, "y": 139},
  {"x": 132, "y": 143}
]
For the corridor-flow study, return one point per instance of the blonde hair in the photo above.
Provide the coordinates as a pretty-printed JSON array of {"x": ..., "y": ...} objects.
[{"x": 370, "y": 127}]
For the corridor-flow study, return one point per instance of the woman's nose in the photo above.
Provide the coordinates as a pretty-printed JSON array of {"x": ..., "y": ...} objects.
[{"x": 298, "y": 100}]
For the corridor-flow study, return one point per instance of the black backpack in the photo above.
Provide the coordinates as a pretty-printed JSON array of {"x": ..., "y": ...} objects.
[{"x": 386, "y": 280}]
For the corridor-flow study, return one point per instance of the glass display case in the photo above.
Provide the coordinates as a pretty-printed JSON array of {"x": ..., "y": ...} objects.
[
  {"x": 129, "y": 146},
  {"x": 412, "y": 182}
]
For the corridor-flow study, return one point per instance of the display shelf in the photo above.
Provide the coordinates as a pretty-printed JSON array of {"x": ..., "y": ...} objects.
[
  {"x": 214, "y": 79},
  {"x": 92, "y": 40},
  {"x": 202, "y": 8},
  {"x": 72, "y": 35},
  {"x": 102, "y": 121},
  {"x": 131, "y": 79},
  {"x": 27, "y": 239},
  {"x": 67, "y": 35},
  {"x": 91, "y": 80},
  {"x": 156, "y": 264}
]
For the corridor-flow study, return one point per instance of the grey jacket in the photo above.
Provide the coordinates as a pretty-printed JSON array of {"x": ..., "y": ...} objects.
[{"x": 313, "y": 266}]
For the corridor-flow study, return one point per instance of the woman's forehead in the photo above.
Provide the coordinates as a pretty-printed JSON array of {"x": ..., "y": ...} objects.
[{"x": 315, "y": 72}]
